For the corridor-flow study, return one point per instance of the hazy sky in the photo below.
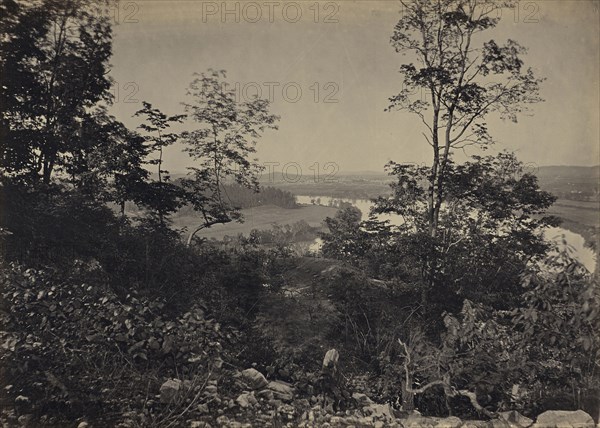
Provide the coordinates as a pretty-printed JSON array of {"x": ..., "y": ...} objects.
[{"x": 352, "y": 63}]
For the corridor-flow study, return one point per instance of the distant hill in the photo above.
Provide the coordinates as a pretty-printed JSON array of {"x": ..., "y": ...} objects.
[{"x": 568, "y": 171}]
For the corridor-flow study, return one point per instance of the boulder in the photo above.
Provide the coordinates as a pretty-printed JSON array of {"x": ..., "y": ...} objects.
[
  {"x": 246, "y": 400},
  {"x": 254, "y": 379},
  {"x": 515, "y": 419},
  {"x": 362, "y": 400},
  {"x": 564, "y": 419},
  {"x": 281, "y": 390},
  {"x": 170, "y": 390}
]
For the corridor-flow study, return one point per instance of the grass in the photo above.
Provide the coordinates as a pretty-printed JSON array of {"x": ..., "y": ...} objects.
[{"x": 261, "y": 218}]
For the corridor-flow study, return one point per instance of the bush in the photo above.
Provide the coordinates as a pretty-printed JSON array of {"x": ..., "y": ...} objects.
[{"x": 74, "y": 348}]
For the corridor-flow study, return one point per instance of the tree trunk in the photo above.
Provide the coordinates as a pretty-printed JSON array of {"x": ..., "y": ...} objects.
[{"x": 408, "y": 398}]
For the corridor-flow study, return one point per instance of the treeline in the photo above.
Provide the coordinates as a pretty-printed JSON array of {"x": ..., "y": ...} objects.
[{"x": 243, "y": 197}]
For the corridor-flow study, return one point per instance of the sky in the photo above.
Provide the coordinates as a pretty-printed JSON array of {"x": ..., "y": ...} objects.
[{"x": 329, "y": 69}]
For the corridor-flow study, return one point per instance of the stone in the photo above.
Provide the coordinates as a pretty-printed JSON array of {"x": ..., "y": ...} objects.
[
  {"x": 203, "y": 409},
  {"x": 170, "y": 390},
  {"x": 267, "y": 394},
  {"x": 254, "y": 379},
  {"x": 515, "y": 419},
  {"x": 564, "y": 419},
  {"x": 449, "y": 422},
  {"x": 362, "y": 400},
  {"x": 281, "y": 390},
  {"x": 245, "y": 400},
  {"x": 331, "y": 359},
  {"x": 498, "y": 423},
  {"x": 83, "y": 424},
  {"x": 381, "y": 411}
]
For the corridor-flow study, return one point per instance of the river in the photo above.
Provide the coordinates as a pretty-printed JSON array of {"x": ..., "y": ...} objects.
[{"x": 575, "y": 243}]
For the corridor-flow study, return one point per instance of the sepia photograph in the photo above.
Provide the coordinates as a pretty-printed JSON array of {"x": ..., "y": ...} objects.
[{"x": 300, "y": 213}]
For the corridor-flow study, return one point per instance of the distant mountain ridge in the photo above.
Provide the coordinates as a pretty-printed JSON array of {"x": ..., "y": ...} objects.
[{"x": 568, "y": 171}]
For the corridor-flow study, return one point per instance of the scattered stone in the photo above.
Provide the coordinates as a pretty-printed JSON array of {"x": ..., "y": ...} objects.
[
  {"x": 25, "y": 420},
  {"x": 170, "y": 390},
  {"x": 515, "y": 419},
  {"x": 281, "y": 390},
  {"x": 362, "y": 400},
  {"x": 83, "y": 424},
  {"x": 381, "y": 411},
  {"x": 267, "y": 394},
  {"x": 564, "y": 418},
  {"x": 499, "y": 423},
  {"x": 247, "y": 399},
  {"x": 449, "y": 422},
  {"x": 203, "y": 409},
  {"x": 254, "y": 378}
]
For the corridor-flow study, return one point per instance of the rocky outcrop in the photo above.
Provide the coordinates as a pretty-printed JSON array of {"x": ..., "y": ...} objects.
[{"x": 564, "y": 419}]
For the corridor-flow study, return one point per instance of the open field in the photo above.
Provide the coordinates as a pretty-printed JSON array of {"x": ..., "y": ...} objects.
[{"x": 261, "y": 218}]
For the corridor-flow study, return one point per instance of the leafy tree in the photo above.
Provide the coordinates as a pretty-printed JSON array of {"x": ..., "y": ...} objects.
[
  {"x": 489, "y": 228},
  {"x": 345, "y": 239},
  {"x": 221, "y": 145},
  {"x": 162, "y": 196},
  {"x": 465, "y": 83},
  {"x": 53, "y": 70}
]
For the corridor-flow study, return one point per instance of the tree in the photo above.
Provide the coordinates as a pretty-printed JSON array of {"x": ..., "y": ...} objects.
[
  {"x": 489, "y": 228},
  {"x": 465, "y": 84},
  {"x": 53, "y": 70},
  {"x": 162, "y": 196},
  {"x": 221, "y": 146}
]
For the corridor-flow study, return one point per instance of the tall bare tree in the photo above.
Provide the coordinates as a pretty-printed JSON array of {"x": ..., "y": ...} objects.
[{"x": 464, "y": 79}]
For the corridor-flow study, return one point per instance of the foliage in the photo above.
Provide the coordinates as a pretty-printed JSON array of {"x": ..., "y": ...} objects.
[
  {"x": 226, "y": 135},
  {"x": 76, "y": 349},
  {"x": 54, "y": 70},
  {"x": 162, "y": 197},
  {"x": 492, "y": 216},
  {"x": 465, "y": 83}
]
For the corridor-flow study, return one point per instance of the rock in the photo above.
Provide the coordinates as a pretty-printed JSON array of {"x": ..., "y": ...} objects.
[
  {"x": 331, "y": 359},
  {"x": 564, "y": 419},
  {"x": 267, "y": 394},
  {"x": 244, "y": 400},
  {"x": 203, "y": 408},
  {"x": 170, "y": 390},
  {"x": 499, "y": 423},
  {"x": 449, "y": 422},
  {"x": 475, "y": 424},
  {"x": 416, "y": 421},
  {"x": 378, "y": 424},
  {"x": 210, "y": 390},
  {"x": 362, "y": 400},
  {"x": 281, "y": 390},
  {"x": 25, "y": 420},
  {"x": 83, "y": 424},
  {"x": 381, "y": 411},
  {"x": 254, "y": 378},
  {"x": 515, "y": 419}
]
